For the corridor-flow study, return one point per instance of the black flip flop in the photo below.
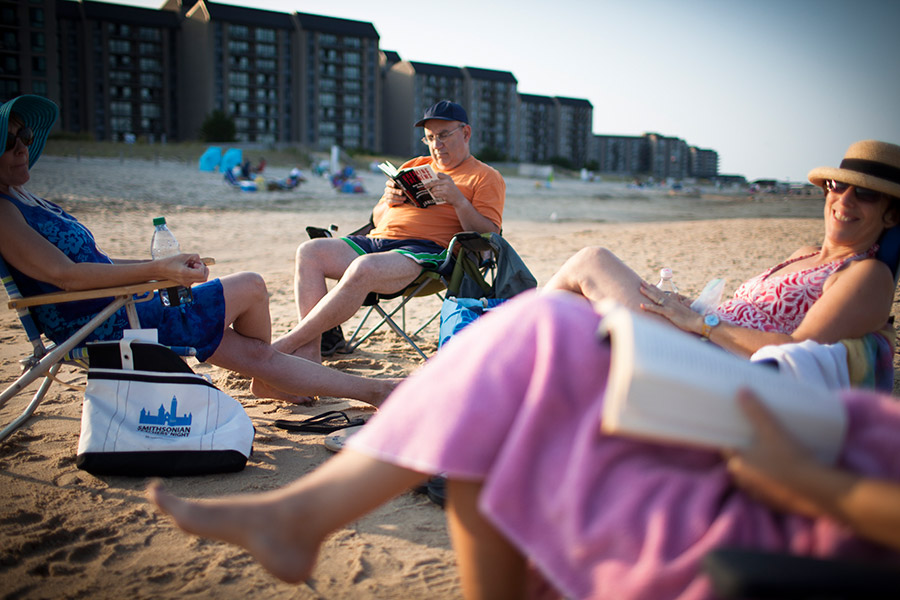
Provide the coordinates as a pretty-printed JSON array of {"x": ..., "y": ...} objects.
[{"x": 327, "y": 422}]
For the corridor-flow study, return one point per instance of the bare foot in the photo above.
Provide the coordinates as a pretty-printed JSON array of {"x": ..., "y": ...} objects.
[
  {"x": 382, "y": 388},
  {"x": 261, "y": 389},
  {"x": 275, "y": 531}
]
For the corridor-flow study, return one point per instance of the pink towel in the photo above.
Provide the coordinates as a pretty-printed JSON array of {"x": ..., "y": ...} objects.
[{"x": 515, "y": 400}]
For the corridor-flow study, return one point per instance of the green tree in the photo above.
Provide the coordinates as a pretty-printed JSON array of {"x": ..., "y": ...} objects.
[{"x": 218, "y": 127}]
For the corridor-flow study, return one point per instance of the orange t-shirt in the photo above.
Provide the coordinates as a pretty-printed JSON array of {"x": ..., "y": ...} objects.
[{"x": 481, "y": 184}]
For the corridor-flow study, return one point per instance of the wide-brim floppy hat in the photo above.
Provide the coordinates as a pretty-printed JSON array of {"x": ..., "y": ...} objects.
[
  {"x": 36, "y": 112},
  {"x": 444, "y": 110},
  {"x": 869, "y": 164}
]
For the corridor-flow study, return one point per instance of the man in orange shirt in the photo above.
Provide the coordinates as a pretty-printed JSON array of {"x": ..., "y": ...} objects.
[{"x": 405, "y": 238}]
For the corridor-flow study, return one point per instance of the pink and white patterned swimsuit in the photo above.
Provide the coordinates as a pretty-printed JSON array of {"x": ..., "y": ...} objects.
[{"x": 779, "y": 303}]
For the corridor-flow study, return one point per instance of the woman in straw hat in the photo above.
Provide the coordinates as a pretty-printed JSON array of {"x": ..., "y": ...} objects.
[
  {"x": 540, "y": 501},
  {"x": 828, "y": 293},
  {"x": 228, "y": 322}
]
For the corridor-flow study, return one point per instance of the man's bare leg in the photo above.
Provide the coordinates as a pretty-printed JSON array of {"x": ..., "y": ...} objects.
[
  {"x": 384, "y": 272},
  {"x": 284, "y": 528}
]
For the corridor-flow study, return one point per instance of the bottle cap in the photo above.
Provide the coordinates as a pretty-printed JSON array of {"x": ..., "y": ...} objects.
[
  {"x": 665, "y": 272},
  {"x": 159, "y": 221}
]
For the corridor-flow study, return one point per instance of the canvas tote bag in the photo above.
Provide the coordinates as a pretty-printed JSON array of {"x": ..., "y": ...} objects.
[{"x": 146, "y": 413}]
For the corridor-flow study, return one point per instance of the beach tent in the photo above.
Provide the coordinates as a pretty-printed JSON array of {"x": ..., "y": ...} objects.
[
  {"x": 211, "y": 159},
  {"x": 232, "y": 157}
]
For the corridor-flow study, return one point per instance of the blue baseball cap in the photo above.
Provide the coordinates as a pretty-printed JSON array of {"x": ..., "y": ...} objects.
[
  {"x": 36, "y": 112},
  {"x": 445, "y": 111}
]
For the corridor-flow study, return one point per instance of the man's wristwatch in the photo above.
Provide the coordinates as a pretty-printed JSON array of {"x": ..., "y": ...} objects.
[{"x": 709, "y": 321}]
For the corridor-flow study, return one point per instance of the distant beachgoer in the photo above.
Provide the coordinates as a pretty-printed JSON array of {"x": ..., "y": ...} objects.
[
  {"x": 228, "y": 321},
  {"x": 826, "y": 293}
]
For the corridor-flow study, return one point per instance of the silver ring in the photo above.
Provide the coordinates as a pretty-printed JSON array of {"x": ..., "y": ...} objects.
[{"x": 661, "y": 301}]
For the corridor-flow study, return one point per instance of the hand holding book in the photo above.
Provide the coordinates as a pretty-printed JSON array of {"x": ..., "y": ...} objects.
[
  {"x": 414, "y": 182},
  {"x": 667, "y": 385}
]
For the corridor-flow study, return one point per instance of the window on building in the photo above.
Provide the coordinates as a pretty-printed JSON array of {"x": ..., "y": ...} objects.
[
  {"x": 8, "y": 13},
  {"x": 150, "y": 34},
  {"x": 39, "y": 66},
  {"x": 352, "y": 42},
  {"x": 265, "y": 35},
  {"x": 241, "y": 32},
  {"x": 38, "y": 41},
  {"x": 146, "y": 48},
  {"x": 238, "y": 93},
  {"x": 9, "y": 88},
  {"x": 119, "y": 46},
  {"x": 238, "y": 47},
  {"x": 150, "y": 110},
  {"x": 151, "y": 80},
  {"x": 351, "y": 72},
  {"x": 37, "y": 87},
  {"x": 238, "y": 78},
  {"x": 9, "y": 40},
  {"x": 327, "y": 39},
  {"x": 150, "y": 64},
  {"x": 35, "y": 18},
  {"x": 267, "y": 50},
  {"x": 265, "y": 64},
  {"x": 120, "y": 109}
]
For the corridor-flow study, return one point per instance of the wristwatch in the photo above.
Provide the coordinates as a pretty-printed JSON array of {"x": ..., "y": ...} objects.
[{"x": 709, "y": 321}]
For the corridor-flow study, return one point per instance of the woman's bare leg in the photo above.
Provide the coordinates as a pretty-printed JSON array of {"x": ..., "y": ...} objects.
[
  {"x": 596, "y": 273},
  {"x": 284, "y": 528},
  {"x": 489, "y": 566},
  {"x": 291, "y": 378},
  {"x": 245, "y": 349}
]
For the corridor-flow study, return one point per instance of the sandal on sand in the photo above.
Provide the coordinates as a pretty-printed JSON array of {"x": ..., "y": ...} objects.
[
  {"x": 327, "y": 422},
  {"x": 336, "y": 441}
]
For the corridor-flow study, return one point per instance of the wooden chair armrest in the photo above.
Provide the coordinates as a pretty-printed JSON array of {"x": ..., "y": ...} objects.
[{"x": 122, "y": 290}]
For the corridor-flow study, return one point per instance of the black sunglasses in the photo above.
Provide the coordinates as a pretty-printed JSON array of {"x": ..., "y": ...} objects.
[
  {"x": 25, "y": 134},
  {"x": 862, "y": 194}
]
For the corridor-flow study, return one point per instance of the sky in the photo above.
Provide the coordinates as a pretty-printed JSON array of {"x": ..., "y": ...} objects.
[{"x": 776, "y": 87}]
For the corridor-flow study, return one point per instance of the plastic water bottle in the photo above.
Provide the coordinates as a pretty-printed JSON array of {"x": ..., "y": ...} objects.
[
  {"x": 665, "y": 281},
  {"x": 164, "y": 245}
]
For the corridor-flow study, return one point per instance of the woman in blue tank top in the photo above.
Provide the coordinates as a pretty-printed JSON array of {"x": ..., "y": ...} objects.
[{"x": 228, "y": 322}]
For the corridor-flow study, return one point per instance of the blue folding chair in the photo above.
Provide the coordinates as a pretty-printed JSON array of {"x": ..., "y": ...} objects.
[{"x": 47, "y": 358}]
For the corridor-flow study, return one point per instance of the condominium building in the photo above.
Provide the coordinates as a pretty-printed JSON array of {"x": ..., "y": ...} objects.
[
  {"x": 339, "y": 93},
  {"x": 121, "y": 72},
  {"x": 575, "y": 119},
  {"x": 652, "y": 154},
  {"x": 704, "y": 163},
  {"x": 409, "y": 88},
  {"x": 492, "y": 102},
  {"x": 537, "y": 128},
  {"x": 619, "y": 154}
]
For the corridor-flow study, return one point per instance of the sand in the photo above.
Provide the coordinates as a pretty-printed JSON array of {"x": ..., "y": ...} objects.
[{"x": 66, "y": 533}]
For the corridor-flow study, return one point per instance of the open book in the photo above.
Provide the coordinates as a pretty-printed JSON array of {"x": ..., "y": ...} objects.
[
  {"x": 412, "y": 181},
  {"x": 668, "y": 385}
]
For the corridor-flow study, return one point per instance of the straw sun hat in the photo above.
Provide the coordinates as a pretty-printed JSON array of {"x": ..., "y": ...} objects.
[
  {"x": 869, "y": 164},
  {"x": 38, "y": 113}
]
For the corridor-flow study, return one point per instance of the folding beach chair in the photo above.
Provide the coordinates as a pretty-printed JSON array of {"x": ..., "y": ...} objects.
[
  {"x": 427, "y": 283},
  {"x": 46, "y": 359}
]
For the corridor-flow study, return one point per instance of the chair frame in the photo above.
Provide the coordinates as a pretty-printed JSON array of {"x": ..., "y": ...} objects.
[
  {"x": 46, "y": 359},
  {"x": 429, "y": 282}
]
